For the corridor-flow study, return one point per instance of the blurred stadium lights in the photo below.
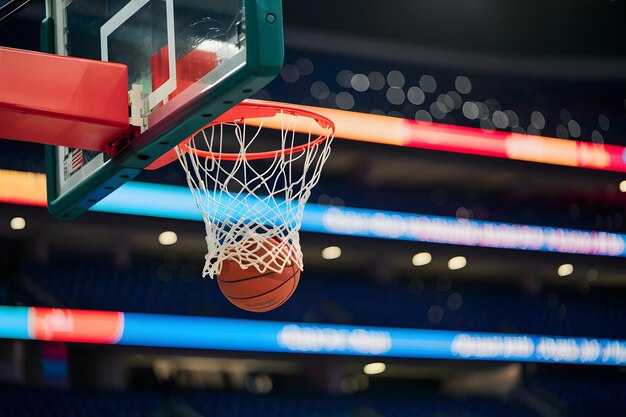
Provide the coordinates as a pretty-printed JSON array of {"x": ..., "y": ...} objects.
[
  {"x": 374, "y": 368},
  {"x": 457, "y": 262},
  {"x": 158, "y": 330},
  {"x": 422, "y": 258},
  {"x": 17, "y": 223},
  {"x": 352, "y": 384},
  {"x": 622, "y": 186},
  {"x": 565, "y": 270},
  {"x": 467, "y": 140},
  {"x": 259, "y": 384},
  {"x": 168, "y": 238},
  {"x": 176, "y": 202},
  {"x": 331, "y": 252}
]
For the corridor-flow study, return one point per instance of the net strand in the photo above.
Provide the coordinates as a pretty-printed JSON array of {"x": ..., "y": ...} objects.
[{"x": 253, "y": 209}]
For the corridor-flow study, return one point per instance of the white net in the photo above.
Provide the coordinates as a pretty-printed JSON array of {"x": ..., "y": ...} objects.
[{"x": 252, "y": 200}]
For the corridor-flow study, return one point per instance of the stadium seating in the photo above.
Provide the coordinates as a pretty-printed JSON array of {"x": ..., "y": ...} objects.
[
  {"x": 577, "y": 398},
  {"x": 150, "y": 286},
  {"x": 53, "y": 402}
]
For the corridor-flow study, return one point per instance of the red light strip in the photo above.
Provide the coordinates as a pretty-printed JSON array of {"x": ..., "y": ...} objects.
[
  {"x": 459, "y": 139},
  {"x": 63, "y": 324},
  {"x": 28, "y": 188}
]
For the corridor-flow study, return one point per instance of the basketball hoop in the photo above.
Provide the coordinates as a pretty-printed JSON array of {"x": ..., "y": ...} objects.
[{"x": 251, "y": 184}]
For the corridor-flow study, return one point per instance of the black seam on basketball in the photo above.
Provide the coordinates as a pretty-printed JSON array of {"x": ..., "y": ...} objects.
[
  {"x": 284, "y": 300},
  {"x": 259, "y": 295},
  {"x": 295, "y": 285},
  {"x": 270, "y": 307},
  {"x": 262, "y": 294},
  {"x": 246, "y": 279}
]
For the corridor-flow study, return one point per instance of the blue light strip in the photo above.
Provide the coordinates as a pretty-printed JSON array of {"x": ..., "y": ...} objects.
[
  {"x": 175, "y": 202},
  {"x": 159, "y": 330},
  {"x": 149, "y": 199},
  {"x": 14, "y": 322},
  {"x": 280, "y": 337}
]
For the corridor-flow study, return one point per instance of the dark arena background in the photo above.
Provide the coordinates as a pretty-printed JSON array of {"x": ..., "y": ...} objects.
[{"x": 465, "y": 248}]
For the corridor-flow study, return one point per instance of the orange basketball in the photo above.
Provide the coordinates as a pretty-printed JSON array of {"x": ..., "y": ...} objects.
[{"x": 254, "y": 291}]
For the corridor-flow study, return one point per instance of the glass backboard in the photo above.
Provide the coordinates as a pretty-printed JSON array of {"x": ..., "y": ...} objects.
[{"x": 188, "y": 62}]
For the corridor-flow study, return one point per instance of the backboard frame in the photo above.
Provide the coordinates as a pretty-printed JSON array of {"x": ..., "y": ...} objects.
[{"x": 264, "y": 55}]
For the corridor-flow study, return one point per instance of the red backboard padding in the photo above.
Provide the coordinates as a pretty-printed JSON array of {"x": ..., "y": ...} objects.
[{"x": 61, "y": 100}]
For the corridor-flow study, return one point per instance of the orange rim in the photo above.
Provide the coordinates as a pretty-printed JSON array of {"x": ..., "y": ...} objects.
[{"x": 252, "y": 109}]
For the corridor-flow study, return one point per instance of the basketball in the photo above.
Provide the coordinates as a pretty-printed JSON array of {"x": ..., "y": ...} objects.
[{"x": 251, "y": 290}]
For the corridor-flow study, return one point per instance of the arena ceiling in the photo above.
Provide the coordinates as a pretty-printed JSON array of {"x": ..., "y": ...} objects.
[{"x": 581, "y": 28}]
